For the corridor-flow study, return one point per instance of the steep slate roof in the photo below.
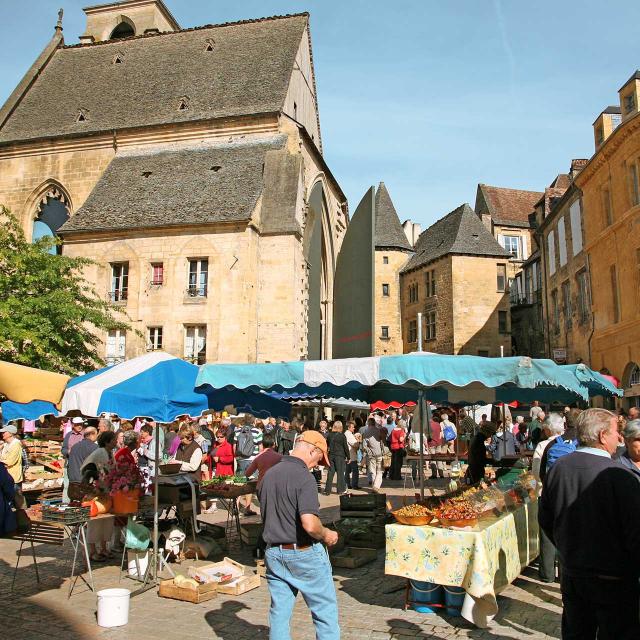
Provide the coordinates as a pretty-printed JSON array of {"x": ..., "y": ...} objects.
[
  {"x": 183, "y": 186},
  {"x": 460, "y": 232},
  {"x": 509, "y": 206},
  {"x": 388, "y": 233},
  {"x": 248, "y": 72}
]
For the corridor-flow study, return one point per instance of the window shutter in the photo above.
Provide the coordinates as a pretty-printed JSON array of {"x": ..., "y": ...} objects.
[
  {"x": 551, "y": 244},
  {"x": 111, "y": 344},
  {"x": 524, "y": 248},
  {"x": 576, "y": 227},
  {"x": 501, "y": 240}
]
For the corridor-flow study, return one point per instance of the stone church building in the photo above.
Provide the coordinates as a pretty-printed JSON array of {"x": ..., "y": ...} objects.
[{"x": 188, "y": 164}]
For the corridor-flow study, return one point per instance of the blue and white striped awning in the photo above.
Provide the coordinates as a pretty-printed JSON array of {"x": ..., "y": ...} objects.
[
  {"x": 444, "y": 379},
  {"x": 156, "y": 385}
]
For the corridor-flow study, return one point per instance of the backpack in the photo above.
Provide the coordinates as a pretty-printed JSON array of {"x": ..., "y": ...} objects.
[
  {"x": 287, "y": 440},
  {"x": 244, "y": 442},
  {"x": 448, "y": 433},
  {"x": 558, "y": 449}
]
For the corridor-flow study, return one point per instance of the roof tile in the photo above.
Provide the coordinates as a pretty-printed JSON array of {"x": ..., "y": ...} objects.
[
  {"x": 388, "y": 233},
  {"x": 460, "y": 232},
  {"x": 247, "y": 73}
]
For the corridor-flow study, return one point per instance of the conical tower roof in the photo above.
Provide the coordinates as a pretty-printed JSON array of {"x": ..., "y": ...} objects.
[{"x": 388, "y": 233}]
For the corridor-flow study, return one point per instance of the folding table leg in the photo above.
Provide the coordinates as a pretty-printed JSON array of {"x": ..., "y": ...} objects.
[
  {"x": 15, "y": 571},
  {"x": 35, "y": 561},
  {"x": 86, "y": 553}
]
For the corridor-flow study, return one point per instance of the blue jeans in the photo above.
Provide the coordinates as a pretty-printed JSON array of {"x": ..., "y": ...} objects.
[{"x": 307, "y": 571}]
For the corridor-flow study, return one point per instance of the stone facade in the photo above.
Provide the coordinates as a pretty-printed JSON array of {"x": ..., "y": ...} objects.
[
  {"x": 567, "y": 289},
  {"x": 261, "y": 281},
  {"x": 387, "y": 265},
  {"x": 610, "y": 185},
  {"x": 466, "y": 306}
]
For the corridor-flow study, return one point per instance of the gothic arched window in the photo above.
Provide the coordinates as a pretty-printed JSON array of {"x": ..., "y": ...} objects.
[{"x": 52, "y": 214}]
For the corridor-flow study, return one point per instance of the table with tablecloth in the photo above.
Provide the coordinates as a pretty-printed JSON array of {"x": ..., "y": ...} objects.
[{"x": 482, "y": 559}]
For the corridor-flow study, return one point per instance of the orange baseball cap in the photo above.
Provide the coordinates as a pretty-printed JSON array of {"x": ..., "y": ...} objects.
[{"x": 317, "y": 440}]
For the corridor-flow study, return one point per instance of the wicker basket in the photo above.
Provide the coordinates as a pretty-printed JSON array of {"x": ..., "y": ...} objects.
[{"x": 414, "y": 521}]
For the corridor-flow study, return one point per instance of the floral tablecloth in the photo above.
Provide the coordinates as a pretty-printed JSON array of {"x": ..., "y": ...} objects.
[{"x": 482, "y": 559}]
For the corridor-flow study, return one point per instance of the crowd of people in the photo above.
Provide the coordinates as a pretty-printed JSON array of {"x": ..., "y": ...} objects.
[{"x": 587, "y": 463}]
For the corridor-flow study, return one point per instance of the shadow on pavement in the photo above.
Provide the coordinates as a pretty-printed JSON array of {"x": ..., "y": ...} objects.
[
  {"x": 26, "y": 618},
  {"x": 228, "y": 625}
]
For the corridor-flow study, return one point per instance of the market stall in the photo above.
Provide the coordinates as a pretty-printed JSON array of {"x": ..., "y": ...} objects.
[{"x": 472, "y": 558}]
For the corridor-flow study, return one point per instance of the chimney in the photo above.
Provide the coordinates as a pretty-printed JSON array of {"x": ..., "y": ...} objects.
[
  {"x": 577, "y": 165},
  {"x": 605, "y": 125},
  {"x": 629, "y": 94},
  {"x": 412, "y": 230}
]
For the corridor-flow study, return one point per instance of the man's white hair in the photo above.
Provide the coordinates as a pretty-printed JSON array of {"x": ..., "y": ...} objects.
[
  {"x": 555, "y": 424},
  {"x": 591, "y": 423}
]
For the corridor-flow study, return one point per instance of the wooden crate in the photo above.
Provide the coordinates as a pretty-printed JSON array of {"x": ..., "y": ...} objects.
[
  {"x": 245, "y": 580},
  {"x": 204, "y": 592},
  {"x": 241, "y": 585},
  {"x": 353, "y": 557},
  {"x": 367, "y": 502},
  {"x": 250, "y": 532}
]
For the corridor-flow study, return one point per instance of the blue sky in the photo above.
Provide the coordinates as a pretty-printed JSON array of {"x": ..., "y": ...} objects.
[{"x": 429, "y": 96}]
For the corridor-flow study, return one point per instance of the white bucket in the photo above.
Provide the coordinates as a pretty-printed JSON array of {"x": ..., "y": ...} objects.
[
  {"x": 143, "y": 563},
  {"x": 113, "y": 607}
]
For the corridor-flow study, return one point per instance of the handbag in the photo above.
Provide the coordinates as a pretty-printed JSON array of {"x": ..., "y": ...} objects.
[{"x": 386, "y": 457}]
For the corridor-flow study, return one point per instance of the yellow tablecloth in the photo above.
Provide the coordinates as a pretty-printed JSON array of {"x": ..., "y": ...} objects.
[{"x": 482, "y": 560}]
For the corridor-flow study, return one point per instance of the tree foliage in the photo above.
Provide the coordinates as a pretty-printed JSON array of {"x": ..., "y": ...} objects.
[{"x": 49, "y": 314}]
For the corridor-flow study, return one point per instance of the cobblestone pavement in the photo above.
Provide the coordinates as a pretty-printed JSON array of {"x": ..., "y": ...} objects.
[{"x": 370, "y": 604}]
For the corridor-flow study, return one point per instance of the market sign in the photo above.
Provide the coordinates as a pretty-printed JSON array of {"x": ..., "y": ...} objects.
[{"x": 560, "y": 355}]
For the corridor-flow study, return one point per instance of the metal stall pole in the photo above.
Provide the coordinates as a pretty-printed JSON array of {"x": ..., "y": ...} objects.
[
  {"x": 421, "y": 416},
  {"x": 156, "y": 502}
]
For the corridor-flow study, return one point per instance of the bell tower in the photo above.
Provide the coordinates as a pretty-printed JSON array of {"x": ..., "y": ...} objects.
[{"x": 118, "y": 20}]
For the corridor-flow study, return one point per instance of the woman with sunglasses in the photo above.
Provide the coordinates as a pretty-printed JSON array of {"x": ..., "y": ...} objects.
[{"x": 222, "y": 454}]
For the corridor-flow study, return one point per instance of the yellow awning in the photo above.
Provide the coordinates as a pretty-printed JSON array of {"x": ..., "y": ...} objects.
[{"x": 24, "y": 384}]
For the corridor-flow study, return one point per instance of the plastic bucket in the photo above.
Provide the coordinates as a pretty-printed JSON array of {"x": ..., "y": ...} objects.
[
  {"x": 453, "y": 599},
  {"x": 113, "y": 607},
  {"x": 143, "y": 562},
  {"x": 424, "y": 594}
]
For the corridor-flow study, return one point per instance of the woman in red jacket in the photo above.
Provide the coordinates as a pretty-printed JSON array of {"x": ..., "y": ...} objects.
[
  {"x": 397, "y": 443},
  {"x": 223, "y": 454}
]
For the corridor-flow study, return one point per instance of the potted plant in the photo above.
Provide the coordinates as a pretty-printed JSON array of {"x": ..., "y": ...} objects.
[{"x": 123, "y": 481}]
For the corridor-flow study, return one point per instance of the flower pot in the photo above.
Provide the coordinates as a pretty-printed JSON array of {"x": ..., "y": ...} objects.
[{"x": 125, "y": 503}]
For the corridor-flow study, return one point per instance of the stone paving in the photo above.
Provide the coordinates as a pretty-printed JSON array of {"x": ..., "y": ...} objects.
[{"x": 370, "y": 604}]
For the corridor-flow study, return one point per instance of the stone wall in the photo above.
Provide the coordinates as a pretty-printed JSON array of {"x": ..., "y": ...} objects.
[
  {"x": 476, "y": 304},
  {"x": 614, "y": 345},
  {"x": 387, "y": 308}
]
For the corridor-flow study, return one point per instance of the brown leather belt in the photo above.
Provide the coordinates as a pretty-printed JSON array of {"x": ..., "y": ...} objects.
[{"x": 292, "y": 546}]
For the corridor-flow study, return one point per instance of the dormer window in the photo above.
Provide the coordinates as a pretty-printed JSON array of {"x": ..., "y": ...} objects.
[
  {"x": 209, "y": 44},
  {"x": 629, "y": 102},
  {"x": 82, "y": 116},
  {"x": 183, "y": 103},
  {"x": 118, "y": 58}
]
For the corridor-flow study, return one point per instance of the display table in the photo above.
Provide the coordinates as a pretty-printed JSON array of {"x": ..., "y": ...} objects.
[
  {"x": 169, "y": 494},
  {"x": 482, "y": 560},
  {"x": 228, "y": 496},
  {"x": 44, "y": 531}
]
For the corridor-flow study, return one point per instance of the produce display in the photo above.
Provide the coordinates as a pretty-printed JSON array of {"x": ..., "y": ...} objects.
[
  {"x": 221, "y": 480},
  {"x": 465, "y": 505},
  {"x": 458, "y": 512},
  {"x": 414, "y": 514}
]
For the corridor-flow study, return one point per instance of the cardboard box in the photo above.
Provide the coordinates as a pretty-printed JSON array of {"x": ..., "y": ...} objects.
[
  {"x": 244, "y": 578},
  {"x": 204, "y": 592}
]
